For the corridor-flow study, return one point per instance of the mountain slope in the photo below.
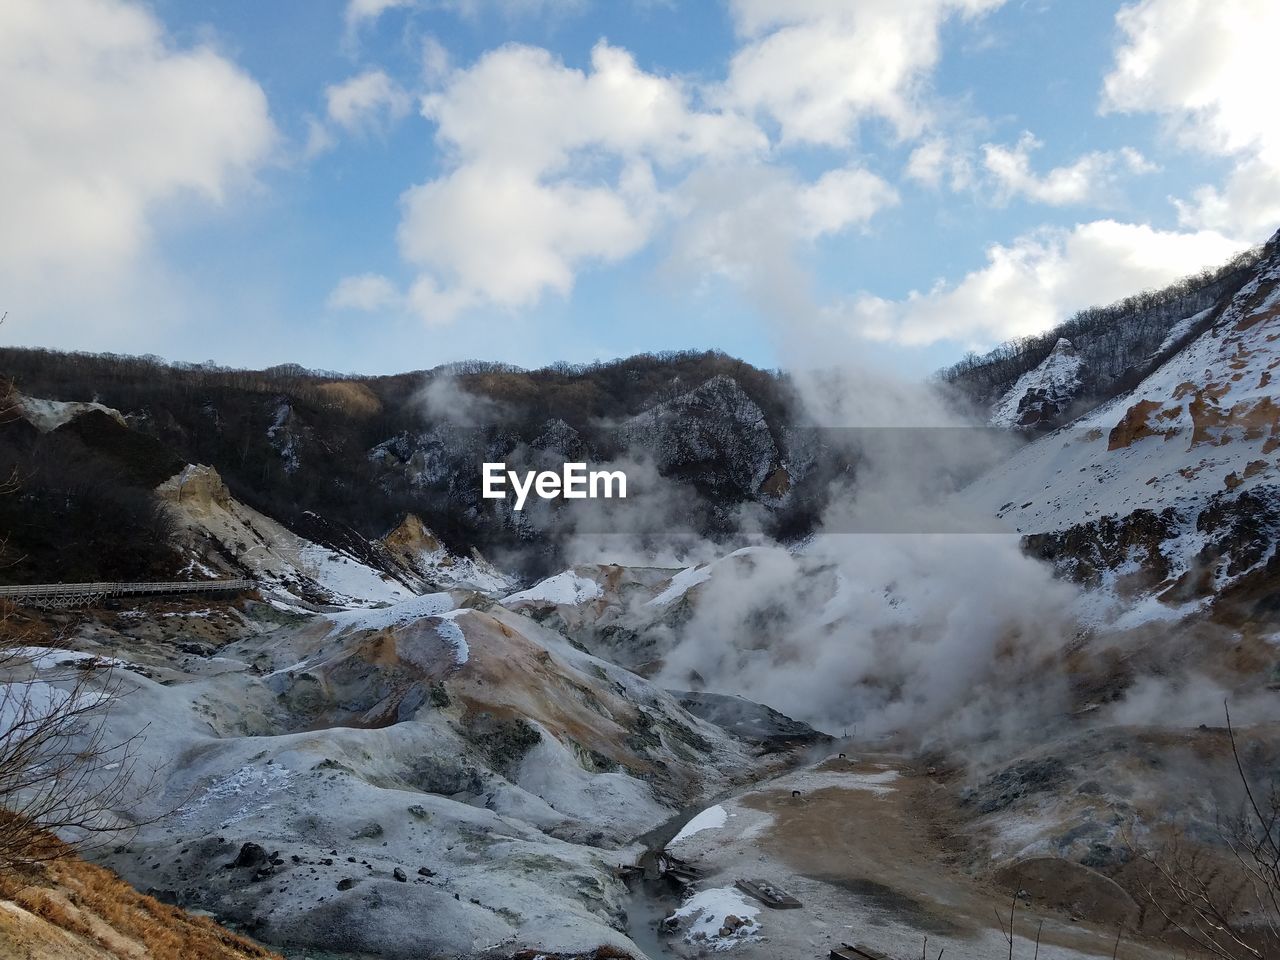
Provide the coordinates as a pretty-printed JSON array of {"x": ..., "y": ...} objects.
[
  {"x": 1178, "y": 477},
  {"x": 1116, "y": 346}
]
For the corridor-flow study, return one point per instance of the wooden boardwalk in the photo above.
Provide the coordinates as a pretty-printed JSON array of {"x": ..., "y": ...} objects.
[{"x": 58, "y": 596}]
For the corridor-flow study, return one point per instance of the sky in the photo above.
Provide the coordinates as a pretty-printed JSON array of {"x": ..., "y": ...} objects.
[{"x": 376, "y": 186}]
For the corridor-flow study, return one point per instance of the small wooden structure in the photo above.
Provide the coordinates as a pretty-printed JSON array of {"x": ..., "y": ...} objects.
[
  {"x": 856, "y": 951},
  {"x": 768, "y": 894}
]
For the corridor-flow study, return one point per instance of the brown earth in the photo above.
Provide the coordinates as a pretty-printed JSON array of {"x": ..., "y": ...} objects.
[{"x": 67, "y": 909}]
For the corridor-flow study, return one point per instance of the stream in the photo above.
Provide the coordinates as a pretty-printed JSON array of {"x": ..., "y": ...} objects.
[{"x": 650, "y": 901}]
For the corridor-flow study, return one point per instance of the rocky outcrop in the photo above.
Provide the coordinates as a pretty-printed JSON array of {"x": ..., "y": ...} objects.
[{"x": 1041, "y": 397}]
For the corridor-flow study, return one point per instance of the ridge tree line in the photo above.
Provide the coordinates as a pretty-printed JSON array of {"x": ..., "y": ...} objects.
[
  {"x": 1115, "y": 341},
  {"x": 290, "y": 441}
]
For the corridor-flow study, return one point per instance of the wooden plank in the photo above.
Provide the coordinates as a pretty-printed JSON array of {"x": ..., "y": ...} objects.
[
  {"x": 769, "y": 894},
  {"x": 858, "y": 951}
]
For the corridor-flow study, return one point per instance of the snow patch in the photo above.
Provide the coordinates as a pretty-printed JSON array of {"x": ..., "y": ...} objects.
[
  {"x": 567, "y": 589},
  {"x": 707, "y": 911},
  {"x": 49, "y": 415},
  {"x": 449, "y": 631},
  {"x": 710, "y": 819},
  {"x": 680, "y": 584},
  {"x": 398, "y": 614}
]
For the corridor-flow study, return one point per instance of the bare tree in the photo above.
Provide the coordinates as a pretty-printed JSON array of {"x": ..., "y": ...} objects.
[
  {"x": 1226, "y": 906},
  {"x": 60, "y": 769}
]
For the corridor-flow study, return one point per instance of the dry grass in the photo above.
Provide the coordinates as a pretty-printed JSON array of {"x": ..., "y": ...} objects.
[
  {"x": 352, "y": 398},
  {"x": 99, "y": 909}
]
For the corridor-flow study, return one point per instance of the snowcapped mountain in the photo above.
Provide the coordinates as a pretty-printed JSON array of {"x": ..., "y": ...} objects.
[
  {"x": 1171, "y": 475},
  {"x": 1116, "y": 346}
]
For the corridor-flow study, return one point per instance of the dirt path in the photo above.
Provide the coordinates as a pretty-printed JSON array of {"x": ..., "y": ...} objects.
[{"x": 863, "y": 850}]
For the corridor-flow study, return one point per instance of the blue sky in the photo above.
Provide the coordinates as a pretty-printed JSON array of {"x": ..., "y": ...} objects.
[{"x": 382, "y": 185}]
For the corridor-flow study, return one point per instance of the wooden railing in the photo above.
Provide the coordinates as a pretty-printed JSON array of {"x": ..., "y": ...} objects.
[{"x": 61, "y": 595}]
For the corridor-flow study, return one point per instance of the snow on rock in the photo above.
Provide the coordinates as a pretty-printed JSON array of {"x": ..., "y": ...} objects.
[
  {"x": 449, "y": 631},
  {"x": 246, "y": 792},
  {"x": 715, "y": 423},
  {"x": 567, "y": 588},
  {"x": 414, "y": 545},
  {"x": 46, "y": 658},
  {"x": 282, "y": 437},
  {"x": 398, "y": 614},
  {"x": 1041, "y": 394},
  {"x": 286, "y": 564},
  {"x": 346, "y": 577},
  {"x": 707, "y": 913},
  {"x": 48, "y": 415},
  {"x": 711, "y": 818},
  {"x": 680, "y": 584}
]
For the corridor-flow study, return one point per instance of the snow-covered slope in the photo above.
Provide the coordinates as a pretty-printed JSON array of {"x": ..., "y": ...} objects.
[
  {"x": 226, "y": 536},
  {"x": 1194, "y": 437},
  {"x": 47, "y": 415},
  {"x": 436, "y": 777}
]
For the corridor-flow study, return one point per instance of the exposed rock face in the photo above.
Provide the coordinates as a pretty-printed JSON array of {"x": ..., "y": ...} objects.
[
  {"x": 411, "y": 538},
  {"x": 46, "y": 415},
  {"x": 197, "y": 489},
  {"x": 1041, "y": 397},
  {"x": 715, "y": 435}
]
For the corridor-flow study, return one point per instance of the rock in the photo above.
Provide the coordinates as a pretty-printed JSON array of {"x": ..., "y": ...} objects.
[
  {"x": 400, "y": 875},
  {"x": 426, "y": 872},
  {"x": 346, "y": 883},
  {"x": 250, "y": 855}
]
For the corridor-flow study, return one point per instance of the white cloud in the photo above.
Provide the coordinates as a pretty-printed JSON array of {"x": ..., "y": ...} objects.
[
  {"x": 749, "y": 223},
  {"x": 554, "y": 169},
  {"x": 819, "y": 67},
  {"x": 1090, "y": 179},
  {"x": 367, "y": 292},
  {"x": 362, "y": 12},
  {"x": 840, "y": 198},
  {"x": 1207, "y": 66},
  {"x": 502, "y": 237},
  {"x": 366, "y": 102},
  {"x": 1037, "y": 281},
  {"x": 937, "y": 160},
  {"x": 107, "y": 121}
]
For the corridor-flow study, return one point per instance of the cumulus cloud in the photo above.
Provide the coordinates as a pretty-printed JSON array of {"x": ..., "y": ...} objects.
[
  {"x": 107, "y": 120},
  {"x": 367, "y": 292},
  {"x": 748, "y": 223},
  {"x": 1037, "y": 281},
  {"x": 554, "y": 168},
  {"x": 1091, "y": 179},
  {"x": 1206, "y": 67},
  {"x": 817, "y": 68},
  {"x": 366, "y": 102}
]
